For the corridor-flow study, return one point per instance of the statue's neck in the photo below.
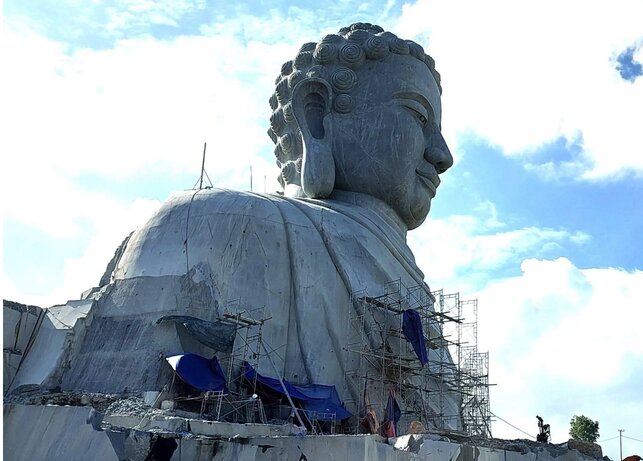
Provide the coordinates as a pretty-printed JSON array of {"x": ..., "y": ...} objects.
[
  {"x": 376, "y": 216},
  {"x": 375, "y": 205}
]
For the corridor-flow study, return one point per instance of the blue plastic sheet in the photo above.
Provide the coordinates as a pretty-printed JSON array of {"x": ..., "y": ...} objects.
[
  {"x": 393, "y": 414},
  {"x": 319, "y": 399},
  {"x": 199, "y": 372},
  {"x": 413, "y": 332}
]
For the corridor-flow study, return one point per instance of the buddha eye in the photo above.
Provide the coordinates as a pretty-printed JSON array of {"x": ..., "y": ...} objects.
[
  {"x": 418, "y": 111},
  {"x": 421, "y": 118}
]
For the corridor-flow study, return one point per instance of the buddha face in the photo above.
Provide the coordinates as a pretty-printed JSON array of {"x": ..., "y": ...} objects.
[{"x": 390, "y": 146}]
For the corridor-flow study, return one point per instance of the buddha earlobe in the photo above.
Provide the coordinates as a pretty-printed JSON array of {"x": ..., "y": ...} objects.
[{"x": 311, "y": 103}]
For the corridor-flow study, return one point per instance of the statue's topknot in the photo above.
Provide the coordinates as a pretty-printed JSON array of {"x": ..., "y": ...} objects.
[{"x": 334, "y": 59}]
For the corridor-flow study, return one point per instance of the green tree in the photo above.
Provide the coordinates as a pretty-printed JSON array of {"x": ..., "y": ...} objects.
[{"x": 583, "y": 428}]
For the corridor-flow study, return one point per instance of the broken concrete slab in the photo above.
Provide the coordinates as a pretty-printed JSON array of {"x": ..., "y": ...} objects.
[
  {"x": 52, "y": 342},
  {"x": 70, "y": 432},
  {"x": 19, "y": 321},
  {"x": 428, "y": 447},
  {"x": 176, "y": 424},
  {"x": 33, "y": 432},
  {"x": 586, "y": 448},
  {"x": 65, "y": 316}
]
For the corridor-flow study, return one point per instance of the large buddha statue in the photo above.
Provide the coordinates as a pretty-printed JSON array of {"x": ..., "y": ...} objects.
[{"x": 356, "y": 126}]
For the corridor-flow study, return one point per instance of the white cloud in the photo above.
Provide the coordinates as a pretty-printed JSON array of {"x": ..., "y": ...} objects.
[
  {"x": 117, "y": 111},
  {"x": 144, "y": 107},
  {"x": 519, "y": 76},
  {"x": 523, "y": 74},
  {"x": 638, "y": 52},
  {"x": 109, "y": 221},
  {"x": 561, "y": 340},
  {"x": 460, "y": 252},
  {"x": 135, "y": 13}
]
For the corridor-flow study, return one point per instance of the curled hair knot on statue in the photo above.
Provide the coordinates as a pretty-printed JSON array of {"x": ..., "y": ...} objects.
[{"x": 333, "y": 60}]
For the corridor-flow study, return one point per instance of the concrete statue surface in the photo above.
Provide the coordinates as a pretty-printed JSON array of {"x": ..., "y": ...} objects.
[
  {"x": 360, "y": 112},
  {"x": 356, "y": 125},
  {"x": 315, "y": 285}
]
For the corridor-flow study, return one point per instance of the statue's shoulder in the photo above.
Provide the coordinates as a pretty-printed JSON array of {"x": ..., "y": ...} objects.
[
  {"x": 217, "y": 204},
  {"x": 214, "y": 214},
  {"x": 203, "y": 222}
]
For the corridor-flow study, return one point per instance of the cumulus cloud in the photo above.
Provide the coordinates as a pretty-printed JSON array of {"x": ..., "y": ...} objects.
[
  {"x": 143, "y": 107},
  {"x": 525, "y": 74},
  {"x": 521, "y": 75},
  {"x": 117, "y": 111},
  {"x": 462, "y": 252},
  {"x": 109, "y": 221},
  {"x": 562, "y": 340},
  {"x": 127, "y": 15}
]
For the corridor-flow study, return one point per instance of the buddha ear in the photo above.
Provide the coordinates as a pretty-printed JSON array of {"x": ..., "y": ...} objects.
[{"x": 311, "y": 103}]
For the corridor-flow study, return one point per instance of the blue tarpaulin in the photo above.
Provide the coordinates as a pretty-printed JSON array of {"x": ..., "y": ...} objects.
[
  {"x": 412, "y": 329},
  {"x": 199, "y": 372},
  {"x": 318, "y": 398},
  {"x": 393, "y": 414}
]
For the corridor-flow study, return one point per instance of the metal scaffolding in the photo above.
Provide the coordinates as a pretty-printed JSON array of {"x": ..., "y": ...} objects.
[
  {"x": 474, "y": 373},
  {"x": 248, "y": 342},
  {"x": 238, "y": 405},
  {"x": 250, "y": 346},
  {"x": 450, "y": 392}
]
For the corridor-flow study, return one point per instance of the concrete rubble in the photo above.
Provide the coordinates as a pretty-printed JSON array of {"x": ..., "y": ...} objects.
[
  {"x": 112, "y": 427},
  {"x": 588, "y": 448},
  {"x": 459, "y": 448}
]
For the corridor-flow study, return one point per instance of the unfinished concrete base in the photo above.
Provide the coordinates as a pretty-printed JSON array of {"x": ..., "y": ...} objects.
[
  {"x": 38, "y": 432},
  {"x": 588, "y": 448},
  {"x": 80, "y": 433}
]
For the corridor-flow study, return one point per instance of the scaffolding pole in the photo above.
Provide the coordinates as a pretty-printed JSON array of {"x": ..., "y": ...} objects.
[{"x": 450, "y": 392}]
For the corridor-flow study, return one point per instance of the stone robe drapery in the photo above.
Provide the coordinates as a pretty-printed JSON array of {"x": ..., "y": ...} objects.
[{"x": 298, "y": 259}]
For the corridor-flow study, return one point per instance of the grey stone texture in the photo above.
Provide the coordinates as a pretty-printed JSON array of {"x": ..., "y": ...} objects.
[
  {"x": 300, "y": 259},
  {"x": 38, "y": 432},
  {"x": 360, "y": 111},
  {"x": 45, "y": 342},
  {"x": 19, "y": 322},
  {"x": 65, "y": 433},
  {"x": 356, "y": 121},
  {"x": 587, "y": 448}
]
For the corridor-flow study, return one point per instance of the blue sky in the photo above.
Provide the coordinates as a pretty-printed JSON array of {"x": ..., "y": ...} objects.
[{"x": 107, "y": 106}]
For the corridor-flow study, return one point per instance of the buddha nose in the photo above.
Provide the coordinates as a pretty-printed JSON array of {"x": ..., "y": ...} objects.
[{"x": 437, "y": 152}]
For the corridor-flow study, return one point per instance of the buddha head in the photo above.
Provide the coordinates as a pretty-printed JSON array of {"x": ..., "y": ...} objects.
[{"x": 360, "y": 111}]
